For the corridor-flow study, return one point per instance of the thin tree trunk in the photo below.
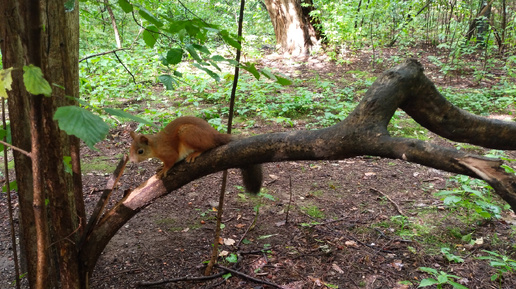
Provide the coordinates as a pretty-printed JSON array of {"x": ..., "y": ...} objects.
[
  {"x": 358, "y": 12},
  {"x": 504, "y": 27},
  {"x": 113, "y": 23}
]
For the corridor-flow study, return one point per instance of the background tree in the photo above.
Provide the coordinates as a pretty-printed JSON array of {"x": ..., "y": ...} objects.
[{"x": 293, "y": 25}]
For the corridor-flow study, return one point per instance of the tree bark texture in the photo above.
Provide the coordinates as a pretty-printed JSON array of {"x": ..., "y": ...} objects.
[
  {"x": 292, "y": 25},
  {"x": 52, "y": 212},
  {"x": 363, "y": 132}
]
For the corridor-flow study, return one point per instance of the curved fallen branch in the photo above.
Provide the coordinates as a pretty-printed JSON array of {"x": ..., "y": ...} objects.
[{"x": 363, "y": 132}]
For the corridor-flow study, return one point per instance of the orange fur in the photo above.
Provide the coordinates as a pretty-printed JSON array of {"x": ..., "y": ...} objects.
[{"x": 184, "y": 138}]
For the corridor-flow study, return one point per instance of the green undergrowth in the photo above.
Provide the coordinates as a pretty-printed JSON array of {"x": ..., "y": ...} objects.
[
  {"x": 99, "y": 164},
  {"x": 315, "y": 101},
  {"x": 467, "y": 206}
]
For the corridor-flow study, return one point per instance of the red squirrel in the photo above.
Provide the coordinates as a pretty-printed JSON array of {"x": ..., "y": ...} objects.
[{"x": 186, "y": 138}]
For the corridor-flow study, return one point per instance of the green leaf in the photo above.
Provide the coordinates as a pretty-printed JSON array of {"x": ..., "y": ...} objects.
[
  {"x": 149, "y": 17},
  {"x": 427, "y": 282},
  {"x": 176, "y": 26},
  {"x": 175, "y": 55},
  {"x": 232, "y": 258},
  {"x": 218, "y": 58},
  {"x": 442, "y": 278},
  {"x": 6, "y": 81},
  {"x": 201, "y": 48},
  {"x": 444, "y": 193},
  {"x": 214, "y": 64},
  {"x": 451, "y": 200},
  {"x": 210, "y": 73},
  {"x": 497, "y": 264},
  {"x": 193, "y": 53},
  {"x": 428, "y": 270},
  {"x": 82, "y": 123},
  {"x": 168, "y": 81},
  {"x": 34, "y": 81},
  {"x": 252, "y": 69},
  {"x": 226, "y": 276},
  {"x": 457, "y": 285},
  {"x": 121, "y": 113},
  {"x": 283, "y": 81},
  {"x": 451, "y": 257},
  {"x": 229, "y": 40},
  {"x": 191, "y": 29},
  {"x": 125, "y": 5},
  {"x": 269, "y": 74},
  {"x": 267, "y": 196},
  {"x": 149, "y": 36}
]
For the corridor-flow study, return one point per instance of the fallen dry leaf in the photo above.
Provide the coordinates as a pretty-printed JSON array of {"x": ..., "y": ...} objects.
[
  {"x": 280, "y": 223},
  {"x": 294, "y": 285},
  {"x": 401, "y": 286},
  {"x": 351, "y": 243},
  {"x": 397, "y": 264},
  {"x": 317, "y": 281},
  {"x": 337, "y": 268},
  {"x": 229, "y": 242}
]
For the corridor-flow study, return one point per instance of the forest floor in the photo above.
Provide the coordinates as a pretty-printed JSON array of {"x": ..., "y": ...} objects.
[{"x": 363, "y": 222}]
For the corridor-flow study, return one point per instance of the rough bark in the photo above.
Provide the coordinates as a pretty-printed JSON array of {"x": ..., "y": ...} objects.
[
  {"x": 43, "y": 34},
  {"x": 363, "y": 132},
  {"x": 293, "y": 25}
]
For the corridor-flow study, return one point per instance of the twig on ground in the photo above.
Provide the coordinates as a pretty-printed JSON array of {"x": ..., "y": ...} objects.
[
  {"x": 390, "y": 200},
  {"x": 290, "y": 200},
  {"x": 391, "y": 239},
  {"x": 240, "y": 274},
  {"x": 247, "y": 230},
  {"x": 202, "y": 278}
]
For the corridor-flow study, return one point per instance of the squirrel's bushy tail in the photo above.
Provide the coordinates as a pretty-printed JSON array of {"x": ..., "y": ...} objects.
[{"x": 252, "y": 177}]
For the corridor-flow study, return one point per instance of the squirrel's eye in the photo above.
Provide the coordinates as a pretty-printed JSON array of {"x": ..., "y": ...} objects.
[{"x": 140, "y": 151}]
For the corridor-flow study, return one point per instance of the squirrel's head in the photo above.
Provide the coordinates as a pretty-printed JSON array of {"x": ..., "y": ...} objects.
[{"x": 139, "y": 150}]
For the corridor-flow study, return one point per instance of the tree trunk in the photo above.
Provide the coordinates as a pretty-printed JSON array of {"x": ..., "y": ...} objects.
[
  {"x": 51, "y": 205},
  {"x": 293, "y": 25},
  {"x": 480, "y": 23}
]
